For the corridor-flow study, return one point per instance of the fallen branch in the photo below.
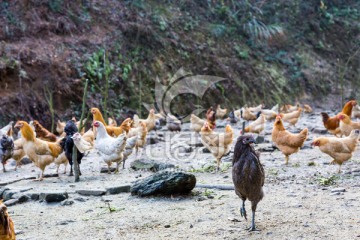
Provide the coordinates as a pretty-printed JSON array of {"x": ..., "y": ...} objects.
[{"x": 220, "y": 187}]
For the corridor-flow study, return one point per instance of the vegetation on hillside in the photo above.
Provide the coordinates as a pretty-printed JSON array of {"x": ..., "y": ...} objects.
[{"x": 269, "y": 51}]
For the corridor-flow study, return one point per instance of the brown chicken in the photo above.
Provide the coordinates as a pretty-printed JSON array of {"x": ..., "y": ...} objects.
[
  {"x": 43, "y": 133},
  {"x": 41, "y": 152},
  {"x": 307, "y": 108},
  {"x": 218, "y": 144},
  {"x": 112, "y": 131},
  {"x": 248, "y": 175},
  {"x": 291, "y": 117},
  {"x": 288, "y": 108},
  {"x": 112, "y": 122},
  {"x": 332, "y": 124},
  {"x": 257, "y": 126},
  {"x": 196, "y": 123},
  {"x": 60, "y": 126},
  {"x": 256, "y": 109},
  {"x": 18, "y": 152},
  {"x": 7, "y": 231},
  {"x": 269, "y": 114},
  {"x": 247, "y": 115},
  {"x": 356, "y": 112},
  {"x": 149, "y": 121},
  {"x": 220, "y": 112},
  {"x": 340, "y": 149},
  {"x": 346, "y": 125},
  {"x": 211, "y": 118},
  {"x": 141, "y": 132},
  {"x": 287, "y": 142}
]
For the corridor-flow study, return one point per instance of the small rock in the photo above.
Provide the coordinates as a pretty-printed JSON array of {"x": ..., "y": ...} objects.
[
  {"x": 167, "y": 226},
  {"x": 338, "y": 190},
  {"x": 152, "y": 140},
  {"x": 8, "y": 194},
  {"x": 67, "y": 203},
  {"x": 11, "y": 202},
  {"x": 23, "y": 198},
  {"x": 106, "y": 170},
  {"x": 205, "y": 150},
  {"x": 66, "y": 222},
  {"x": 117, "y": 190},
  {"x": 53, "y": 197},
  {"x": 319, "y": 130},
  {"x": 334, "y": 194},
  {"x": 80, "y": 199},
  {"x": 191, "y": 226},
  {"x": 34, "y": 196},
  {"x": 86, "y": 192},
  {"x": 260, "y": 139},
  {"x": 200, "y": 199},
  {"x": 25, "y": 161},
  {"x": 143, "y": 164}
]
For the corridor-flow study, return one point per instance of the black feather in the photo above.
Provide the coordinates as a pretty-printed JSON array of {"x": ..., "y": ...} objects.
[
  {"x": 247, "y": 173},
  {"x": 67, "y": 143}
]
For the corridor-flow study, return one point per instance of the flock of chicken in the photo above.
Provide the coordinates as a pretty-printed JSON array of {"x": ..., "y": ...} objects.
[{"x": 114, "y": 144}]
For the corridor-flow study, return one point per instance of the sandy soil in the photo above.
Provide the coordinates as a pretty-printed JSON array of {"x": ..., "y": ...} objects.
[{"x": 295, "y": 206}]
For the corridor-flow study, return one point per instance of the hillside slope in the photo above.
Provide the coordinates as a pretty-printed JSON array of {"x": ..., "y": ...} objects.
[{"x": 269, "y": 52}]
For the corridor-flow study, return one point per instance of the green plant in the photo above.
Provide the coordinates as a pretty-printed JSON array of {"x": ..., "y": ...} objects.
[
  {"x": 327, "y": 181},
  {"x": 99, "y": 69}
]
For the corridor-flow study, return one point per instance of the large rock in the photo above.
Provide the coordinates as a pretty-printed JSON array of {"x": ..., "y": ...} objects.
[
  {"x": 53, "y": 197},
  {"x": 143, "y": 164},
  {"x": 164, "y": 183}
]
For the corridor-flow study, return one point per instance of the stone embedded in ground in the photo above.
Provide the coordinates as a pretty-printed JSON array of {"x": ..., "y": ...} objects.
[
  {"x": 25, "y": 161},
  {"x": 11, "y": 202},
  {"x": 118, "y": 189},
  {"x": 184, "y": 148},
  {"x": 265, "y": 148},
  {"x": 164, "y": 183},
  {"x": 7, "y": 194},
  {"x": 2, "y": 190},
  {"x": 152, "y": 140},
  {"x": 106, "y": 170},
  {"x": 260, "y": 139},
  {"x": 195, "y": 142},
  {"x": 338, "y": 190},
  {"x": 205, "y": 150},
  {"x": 319, "y": 130},
  {"x": 67, "y": 203},
  {"x": 53, "y": 197},
  {"x": 86, "y": 192},
  {"x": 151, "y": 165},
  {"x": 34, "y": 196},
  {"x": 23, "y": 198}
]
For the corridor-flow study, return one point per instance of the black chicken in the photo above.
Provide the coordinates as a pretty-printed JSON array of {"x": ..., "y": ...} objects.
[
  {"x": 6, "y": 149},
  {"x": 232, "y": 117},
  {"x": 248, "y": 175},
  {"x": 67, "y": 144}
]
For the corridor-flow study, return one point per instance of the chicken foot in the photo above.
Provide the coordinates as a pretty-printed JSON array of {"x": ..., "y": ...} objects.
[
  {"x": 286, "y": 160},
  {"x": 253, "y": 227},
  {"x": 243, "y": 211}
]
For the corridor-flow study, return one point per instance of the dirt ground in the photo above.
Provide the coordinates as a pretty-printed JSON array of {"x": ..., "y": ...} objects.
[{"x": 296, "y": 205}]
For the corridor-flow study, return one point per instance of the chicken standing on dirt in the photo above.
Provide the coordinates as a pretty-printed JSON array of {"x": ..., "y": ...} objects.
[
  {"x": 287, "y": 142},
  {"x": 6, "y": 149},
  {"x": 109, "y": 148},
  {"x": 340, "y": 149},
  {"x": 7, "y": 231},
  {"x": 41, "y": 152},
  {"x": 67, "y": 143},
  {"x": 248, "y": 175},
  {"x": 218, "y": 144}
]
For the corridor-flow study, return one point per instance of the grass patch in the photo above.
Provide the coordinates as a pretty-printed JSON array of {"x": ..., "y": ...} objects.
[
  {"x": 311, "y": 164},
  {"x": 327, "y": 181}
]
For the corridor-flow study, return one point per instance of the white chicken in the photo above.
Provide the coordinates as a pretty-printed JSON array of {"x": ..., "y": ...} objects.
[
  {"x": 81, "y": 144},
  {"x": 5, "y": 130},
  {"x": 130, "y": 144},
  {"x": 110, "y": 149}
]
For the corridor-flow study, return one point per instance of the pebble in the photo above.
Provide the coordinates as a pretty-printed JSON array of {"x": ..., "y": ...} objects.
[
  {"x": 67, "y": 203},
  {"x": 91, "y": 192},
  {"x": 338, "y": 190}
]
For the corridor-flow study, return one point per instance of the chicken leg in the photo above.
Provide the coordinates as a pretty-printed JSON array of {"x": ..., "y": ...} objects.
[
  {"x": 253, "y": 209},
  {"x": 4, "y": 167},
  {"x": 242, "y": 210},
  {"x": 286, "y": 159}
]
